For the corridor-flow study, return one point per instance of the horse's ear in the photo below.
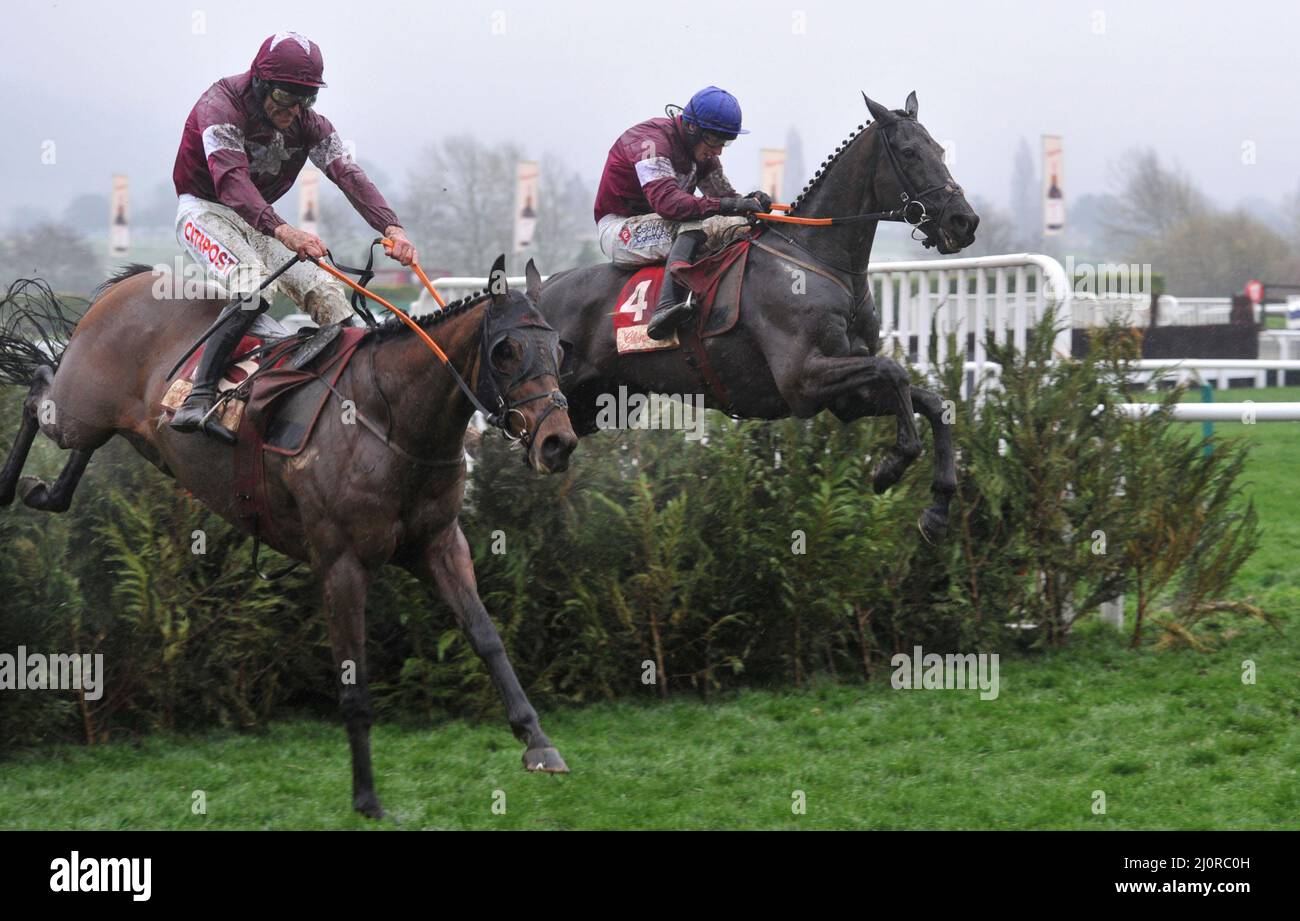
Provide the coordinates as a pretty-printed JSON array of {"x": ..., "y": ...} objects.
[
  {"x": 497, "y": 285},
  {"x": 879, "y": 112},
  {"x": 534, "y": 283},
  {"x": 910, "y": 106}
]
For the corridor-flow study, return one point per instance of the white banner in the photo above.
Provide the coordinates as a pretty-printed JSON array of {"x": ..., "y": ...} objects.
[
  {"x": 526, "y": 173},
  {"x": 1053, "y": 185},
  {"x": 771, "y": 171},
  {"x": 119, "y": 218},
  {"x": 309, "y": 201}
]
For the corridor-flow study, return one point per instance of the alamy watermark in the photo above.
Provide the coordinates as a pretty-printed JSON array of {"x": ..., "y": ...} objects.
[
  {"x": 1108, "y": 279},
  {"x": 929, "y": 671},
  {"x": 59, "y": 672},
  {"x": 678, "y": 412}
]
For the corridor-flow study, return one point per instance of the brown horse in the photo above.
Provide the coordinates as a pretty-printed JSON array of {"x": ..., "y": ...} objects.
[{"x": 353, "y": 500}]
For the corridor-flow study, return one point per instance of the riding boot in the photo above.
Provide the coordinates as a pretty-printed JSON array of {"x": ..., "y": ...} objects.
[
  {"x": 673, "y": 308},
  {"x": 216, "y": 354}
]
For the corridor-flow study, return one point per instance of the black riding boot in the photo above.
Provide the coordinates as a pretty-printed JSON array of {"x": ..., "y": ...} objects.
[
  {"x": 216, "y": 354},
  {"x": 673, "y": 308}
]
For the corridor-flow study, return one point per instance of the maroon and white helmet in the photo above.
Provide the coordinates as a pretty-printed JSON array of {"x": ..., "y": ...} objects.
[{"x": 288, "y": 57}]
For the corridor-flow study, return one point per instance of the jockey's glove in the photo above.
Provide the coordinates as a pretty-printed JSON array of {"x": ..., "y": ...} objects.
[{"x": 735, "y": 205}]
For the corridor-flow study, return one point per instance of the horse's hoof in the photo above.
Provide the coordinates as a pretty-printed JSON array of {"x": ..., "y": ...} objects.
[
  {"x": 546, "y": 760},
  {"x": 933, "y": 525},
  {"x": 887, "y": 474},
  {"x": 368, "y": 805},
  {"x": 34, "y": 491}
]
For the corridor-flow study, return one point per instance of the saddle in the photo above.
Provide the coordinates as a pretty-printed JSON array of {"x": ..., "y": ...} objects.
[
  {"x": 715, "y": 285},
  {"x": 275, "y": 390}
]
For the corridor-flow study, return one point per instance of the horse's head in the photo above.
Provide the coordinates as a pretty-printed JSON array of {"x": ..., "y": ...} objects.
[
  {"x": 520, "y": 371},
  {"x": 912, "y": 175}
]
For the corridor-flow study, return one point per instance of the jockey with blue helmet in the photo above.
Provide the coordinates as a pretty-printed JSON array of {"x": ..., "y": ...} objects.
[{"x": 647, "y": 209}]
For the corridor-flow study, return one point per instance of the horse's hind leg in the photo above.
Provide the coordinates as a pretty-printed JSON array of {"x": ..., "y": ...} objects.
[
  {"x": 27, "y": 430},
  {"x": 56, "y": 498},
  {"x": 18, "y": 456}
]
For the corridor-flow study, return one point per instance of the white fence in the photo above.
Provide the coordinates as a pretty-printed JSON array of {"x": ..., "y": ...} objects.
[{"x": 1005, "y": 295}]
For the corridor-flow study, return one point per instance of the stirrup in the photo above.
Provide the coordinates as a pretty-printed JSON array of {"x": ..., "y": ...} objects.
[{"x": 666, "y": 320}]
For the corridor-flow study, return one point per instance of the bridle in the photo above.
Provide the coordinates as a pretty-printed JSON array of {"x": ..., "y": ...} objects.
[
  {"x": 913, "y": 210},
  {"x": 537, "y": 361},
  {"x": 912, "y": 198}
]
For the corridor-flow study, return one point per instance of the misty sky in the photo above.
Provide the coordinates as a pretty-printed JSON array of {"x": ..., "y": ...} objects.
[{"x": 112, "y": 83}]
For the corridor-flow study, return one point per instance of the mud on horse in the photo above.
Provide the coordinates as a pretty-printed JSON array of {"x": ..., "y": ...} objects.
[
  {"x": 796, "y": 354},
  {"x": 353, "y": 500}
]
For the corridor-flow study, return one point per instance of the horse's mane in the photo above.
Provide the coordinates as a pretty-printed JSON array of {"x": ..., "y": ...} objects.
[
  {"x": 826, "y": 164},
  {"x": 395, "y": 327},
  {"x": 122, "y": 274}
]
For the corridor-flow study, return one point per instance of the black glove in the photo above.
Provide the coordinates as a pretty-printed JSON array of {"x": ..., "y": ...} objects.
[
  {"x": 732, "y": 206},
  {"x": 763, "y": 199}
]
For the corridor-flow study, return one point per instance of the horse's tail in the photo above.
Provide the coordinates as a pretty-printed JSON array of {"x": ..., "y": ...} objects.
[{"x": 34, "y": 330}]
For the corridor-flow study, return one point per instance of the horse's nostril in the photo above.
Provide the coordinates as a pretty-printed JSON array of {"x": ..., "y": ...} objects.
[
  {"x": 960, "y": 223},
  {"x": 556, "y": 450}
]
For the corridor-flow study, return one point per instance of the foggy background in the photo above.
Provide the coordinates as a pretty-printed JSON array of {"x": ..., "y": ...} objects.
[{"x": 1179, "y": 119}]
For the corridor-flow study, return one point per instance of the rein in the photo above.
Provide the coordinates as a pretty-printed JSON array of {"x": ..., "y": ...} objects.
[
  {"x": 911, "y": 199},
  {"x": 506, "y": 408}
]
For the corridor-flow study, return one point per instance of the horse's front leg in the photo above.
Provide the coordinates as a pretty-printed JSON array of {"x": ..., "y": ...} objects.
[
  {"x": 856, "y": 386},
  {"x": 934, "y": 520},
  {"x": 344, "y": 582},
  {"x": 446, "y": 564}
]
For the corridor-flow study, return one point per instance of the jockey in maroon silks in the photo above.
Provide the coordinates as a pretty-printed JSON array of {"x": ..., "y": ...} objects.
[
  {"x": 646, "y": 208},
  {"x": 244, "y": 143}
]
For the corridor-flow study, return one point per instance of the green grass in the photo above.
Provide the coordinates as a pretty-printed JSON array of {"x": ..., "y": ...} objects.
[{"x": 1173, "y": 739}]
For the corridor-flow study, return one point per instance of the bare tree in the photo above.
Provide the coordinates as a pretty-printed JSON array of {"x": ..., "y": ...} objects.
[
  {"x": 460, "y": 208},
  {"x": 1026, "y": 195},
  {"x": 1149, "y": 199}
]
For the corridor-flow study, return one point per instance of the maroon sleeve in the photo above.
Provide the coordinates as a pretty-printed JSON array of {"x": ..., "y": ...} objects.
[
  {"x": 332, "y": 159},
  {"x": 220, "y": 121},
  {"x": 654, "y": 170}
]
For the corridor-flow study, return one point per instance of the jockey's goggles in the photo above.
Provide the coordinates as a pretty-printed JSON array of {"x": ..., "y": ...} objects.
[{"x": 287, "y": 100}]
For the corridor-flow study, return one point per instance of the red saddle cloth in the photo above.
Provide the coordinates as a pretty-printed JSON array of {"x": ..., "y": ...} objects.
[
  {"x": 277, "y": 412},
  {"x": 715, "y": 282}
]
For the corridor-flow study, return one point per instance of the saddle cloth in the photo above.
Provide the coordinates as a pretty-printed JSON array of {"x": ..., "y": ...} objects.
[
  {"x": 278, "y": 413},
  {"x": 715, "y": 283}
]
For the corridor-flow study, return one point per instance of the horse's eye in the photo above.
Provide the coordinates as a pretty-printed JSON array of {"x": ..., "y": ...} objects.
[
  {"x": 909, "y": 153},
  {"x": 502, "y": 352}
]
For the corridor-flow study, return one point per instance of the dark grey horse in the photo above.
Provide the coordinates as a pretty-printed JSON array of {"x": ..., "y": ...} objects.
[{"x": 798, "y": 353}]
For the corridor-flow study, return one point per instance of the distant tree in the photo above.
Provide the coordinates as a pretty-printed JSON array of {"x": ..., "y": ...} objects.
[
  {"x": 1214, "y": 253},
  {"x": 459, "y": 203},
  {"x": 1158, "y": 216},
  {"x": 1026, "y": 211},
  {"x": 54, "y": 252},
  {"x": 459, "y": 208},
  {"x": 1149, "y": 199}
]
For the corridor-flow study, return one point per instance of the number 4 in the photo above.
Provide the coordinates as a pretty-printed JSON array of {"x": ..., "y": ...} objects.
[{"x": 636, "y": 304}]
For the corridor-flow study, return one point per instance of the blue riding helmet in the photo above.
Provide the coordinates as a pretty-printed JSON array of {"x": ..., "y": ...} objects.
[{"x": 714, "y": 109}]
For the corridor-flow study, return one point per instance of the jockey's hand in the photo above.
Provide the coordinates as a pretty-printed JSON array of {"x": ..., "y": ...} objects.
[
  {"x": 746, "y": 205},
  {"x": 763, "y": 199},
  {"x": 403, "y": 250},
  {"x": 300, "y": 241}
]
